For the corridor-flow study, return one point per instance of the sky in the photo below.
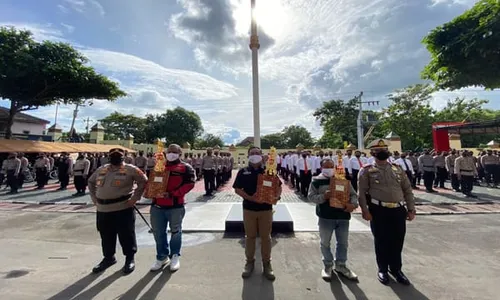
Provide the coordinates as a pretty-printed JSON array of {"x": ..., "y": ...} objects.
[{"x": 195, "y": 54}]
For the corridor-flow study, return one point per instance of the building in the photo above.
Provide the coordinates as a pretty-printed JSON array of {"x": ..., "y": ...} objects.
[
  {"x": 246, "y": 142},
  {"x": 24, "y": 124}
]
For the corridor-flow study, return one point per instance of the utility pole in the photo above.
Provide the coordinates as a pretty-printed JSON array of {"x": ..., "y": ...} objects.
[
  {"x": 361, "y": 143},
  {"x": 75, "y": 114},
  {"x": 254, "y": 46},
  {"x": 87, "y": 124}
]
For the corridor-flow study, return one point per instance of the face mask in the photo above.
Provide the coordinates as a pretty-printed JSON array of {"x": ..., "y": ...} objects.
[
  {"x": 328, "y": 172},
  {"x": 115, "y": 160},
  {"x": 403, "y": 157},
  {"x": 453, "y": 153},
  {"x": 382, "y": 155},
  {"x": 255, "y": 159},
  {"x": 304, "y": 156},
  {"x": 358, "y": 155},
  {"x": 172, "y": 156}
]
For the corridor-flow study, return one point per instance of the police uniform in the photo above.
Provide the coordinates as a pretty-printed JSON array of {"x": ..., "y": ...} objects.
[
  {"x": 13, "y": 167},
  {"x": 42, "y": 165},
  {"x": 24, "y": 168},
  {"x": 450, "y": 167},
  {"x": 81, "y": 171},
  {"x": 490, "y": 163},
  {"x": 64, "y": 168},
  {"x": 111, "y": 189},
  {"x": 141, "y": 162},
  {"x": 465, "y": 168},
  {"x": 427, "y": 167},
  {"x": 385, "y": 192},
  {"x": 209, "y": 169}
]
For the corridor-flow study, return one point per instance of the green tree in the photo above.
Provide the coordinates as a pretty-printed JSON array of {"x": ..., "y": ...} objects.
[
  {"x": 468, "y": 110},
  {"x": 208, "y": 140},
  {"x": 338, "y": 118},
  {"x": 295, "y": 134},
  {"x": 464, "y": 52},
  {"x": 119, "y": 126},
  {"x": 410, "y": 115},
  {"x": 175, "y": 126},
  {"x": 331, "y": 139},
  {"x": 36, "y": 74},
  {"x": 272, "y": 140}
]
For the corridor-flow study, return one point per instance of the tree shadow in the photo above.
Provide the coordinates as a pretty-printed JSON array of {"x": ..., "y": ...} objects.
[
  {"x": 78, "y": 286},
  {"x": 154, "y": 290},
  {"x": 408, "y": 292},
  {"x": 257, "y": 288}
]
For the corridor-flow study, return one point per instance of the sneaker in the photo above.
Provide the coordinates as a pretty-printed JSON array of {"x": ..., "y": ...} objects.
[
  {"x": 326, "y": 273},
  {"x": 344, "y": 271},
  {"x": 176, "y": 263},
  {"x": 158, "y": 264},
  {"x": 248, "y": 269},
  {"x": 268, "y": 271}
]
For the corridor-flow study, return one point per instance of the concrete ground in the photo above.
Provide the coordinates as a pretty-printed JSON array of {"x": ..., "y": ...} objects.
[{"x": 49, "y": 256}]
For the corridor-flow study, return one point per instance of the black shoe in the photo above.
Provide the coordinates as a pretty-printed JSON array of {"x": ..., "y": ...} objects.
[
  {"x": 401, "y": 278},
  {"x": 129, "y": 266},
  {"x": 383, "y": 277},
  {"x": 103, "y": 265}
]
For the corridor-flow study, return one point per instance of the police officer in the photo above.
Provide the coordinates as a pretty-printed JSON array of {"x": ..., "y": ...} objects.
[
  {"x": 42, "y": 165},
  {"x": 383, "y": 191},
  {"x": 450, "y": 167},
  {"x": 465, "y": 168},
  {"x": 490, "y": 163},
  {"x": 81, "y": 172},
  {"x": 427, "y": 167},
  {"x": 141, "y": 162},
  {"x": 13, "y": 167},
  {"x": 209, "y": 167},
  {"x": 111, "y": 189},
  {"x": 64, "y": 169},
  {"x": 24, "y": 169}
]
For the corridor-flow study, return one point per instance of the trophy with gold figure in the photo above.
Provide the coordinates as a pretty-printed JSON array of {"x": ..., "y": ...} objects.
[
  {"x": 158, "y": 177},
  {"x": 340, "y": 188},
  {"x": 268, "y": 183}
]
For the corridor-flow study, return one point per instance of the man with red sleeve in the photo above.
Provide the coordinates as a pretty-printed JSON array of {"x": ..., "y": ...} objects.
[{"x": 170, "y": 211}]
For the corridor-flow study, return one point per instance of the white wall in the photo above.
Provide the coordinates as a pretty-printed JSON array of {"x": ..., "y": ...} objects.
[{"x": 36, "y": 129}]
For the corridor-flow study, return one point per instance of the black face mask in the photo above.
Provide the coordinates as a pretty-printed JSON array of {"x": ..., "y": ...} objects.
[
  {"x": 115, "y": 160},
  {"x": 304, "y": 156},
  {"x": 382, "y": 155},
  {"x": 358, "y": 155},
  {"x": 403, "y": 157},
  {"x": 453, "y": 153}
]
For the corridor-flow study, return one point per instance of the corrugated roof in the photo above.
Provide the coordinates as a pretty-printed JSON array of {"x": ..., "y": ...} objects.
[
  {"x": 50, "y": 147},
  {"x": 21, "y": 117}
]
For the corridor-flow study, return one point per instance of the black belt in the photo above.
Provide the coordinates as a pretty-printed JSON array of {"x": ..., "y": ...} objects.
[
  {"x": 113, "y": 201},
  {"x": 428, "y": 166},
  {"x": 466, "y": 170}
]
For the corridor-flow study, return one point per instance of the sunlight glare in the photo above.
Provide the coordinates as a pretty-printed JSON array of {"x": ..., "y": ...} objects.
[{"x": 270, "y": 15}]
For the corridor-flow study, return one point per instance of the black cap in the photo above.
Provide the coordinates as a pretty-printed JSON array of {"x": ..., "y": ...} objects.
[{"x": 116, "y": 150}]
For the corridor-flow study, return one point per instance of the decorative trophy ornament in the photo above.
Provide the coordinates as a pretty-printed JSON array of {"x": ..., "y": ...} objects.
[
  {"x": 268, "y": 183},
  {"x": 340, "y": 188},
  {"x": 158, "y": 177}
]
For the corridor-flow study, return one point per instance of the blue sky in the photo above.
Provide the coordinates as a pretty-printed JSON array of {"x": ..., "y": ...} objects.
[{"x": 194, "y": 53}]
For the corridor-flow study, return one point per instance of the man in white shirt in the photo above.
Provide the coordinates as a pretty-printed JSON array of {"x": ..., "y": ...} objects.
[
  {"x": 294, "y": 177},
  {"x": 406, "y": 165},
  {"x": 317, "y": 162},
  {"x": 305, "y": 168},
  {"x": 353, "y": 166},
  {"x": 347, "y": 160}
]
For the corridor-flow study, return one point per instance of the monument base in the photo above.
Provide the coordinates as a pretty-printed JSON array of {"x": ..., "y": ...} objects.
[{"x": 282, "y": 220}]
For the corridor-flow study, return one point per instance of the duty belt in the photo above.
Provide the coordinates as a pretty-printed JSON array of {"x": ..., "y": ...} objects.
[
  {"x": 112, "y": 201},
  {"x": 461, "y": 170},
  {"x": 388, "y": 204}
]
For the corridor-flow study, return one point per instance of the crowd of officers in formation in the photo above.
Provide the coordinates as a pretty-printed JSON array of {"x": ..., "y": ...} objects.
[{"x": 461, "y": 167}]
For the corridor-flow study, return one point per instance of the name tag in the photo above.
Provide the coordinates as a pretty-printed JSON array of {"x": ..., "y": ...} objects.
[
  {"x": 267, "y": 183},
  {"x": 247, "y": 173},
  {"x": 158, "y": 179},
  {"x": 339, "y": 188}
]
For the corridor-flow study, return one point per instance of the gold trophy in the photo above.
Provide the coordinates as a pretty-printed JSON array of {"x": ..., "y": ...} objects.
[
  {"x": 268, "y": 183},
  {"x": 340, "y": 188},
  {"x": 158, "y": 177}
]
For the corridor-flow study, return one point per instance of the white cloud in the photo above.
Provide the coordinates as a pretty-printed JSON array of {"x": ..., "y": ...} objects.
[
  {"x": 77, "y": 5},
  {"x": 63, "y": 8},
  {"x": 68, "y": 28},
  {"x": 98, "y": 7},
  {"x": 40, "y": 32},
  {"x": 84, "y": 6}
]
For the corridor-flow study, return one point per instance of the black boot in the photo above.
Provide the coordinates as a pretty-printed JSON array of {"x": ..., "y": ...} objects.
[
  {"x": 104, "y": 264},
  {"x": 383, "y": 277},
  {"x": 129, "y": 266},
  {"x": 400, "y": 277}
]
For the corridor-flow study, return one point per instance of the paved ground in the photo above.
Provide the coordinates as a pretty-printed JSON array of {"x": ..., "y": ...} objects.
[
  {"x": 226, "y": 194},
  {"x": 49, "y": 255}
]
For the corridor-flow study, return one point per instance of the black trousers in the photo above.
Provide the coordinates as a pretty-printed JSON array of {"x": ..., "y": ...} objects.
[
  {"x": 491, "y": 175},
  {"x": 198, "y": 173},
  {"x": 388, "y": 226},
  {"x": 41, "y": 177},
  {"x": 455, "y": 184},
  {"x": 20, "y": 179},
  {"x": 347, "y": 176},
  {"x": 467, "y": 182},
  {"x": 305, "y": 181},
  {"x": 209, "y": 178},
  {"x": 428, "y": 179},
  {"x": 12, "y": 181},
  {"x": 118, "y": 223},
  {"x": 354, "y": 179},
  {"x": 80, "y": 183},
  {"x": 218, "y": 178},
  {"x": 418, "y": 177},
  {"x": 410, "y": 177},
  {"x": 441, "y": 175},
  {"x": 278, "y": 168},
  {"x": 414, "y": 178},
  {"x": 297, "y": 179},
  {"x": 64, "y": 179}
]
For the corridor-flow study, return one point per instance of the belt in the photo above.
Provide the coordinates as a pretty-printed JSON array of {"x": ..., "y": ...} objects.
[
  {"x": 428, "y": 166},
  {"x": 461, "y": 170},
  {"x": 208, "y": 169},
  {"x": 112, "y": 201},
  {"x": 388, "y": 204}
]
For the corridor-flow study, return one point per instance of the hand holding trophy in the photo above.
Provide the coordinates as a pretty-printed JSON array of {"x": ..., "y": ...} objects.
[
  {"x": 268, "y": 183},
  {"x": 158, "y": 177},
  {"x": 340, "y": 187}
]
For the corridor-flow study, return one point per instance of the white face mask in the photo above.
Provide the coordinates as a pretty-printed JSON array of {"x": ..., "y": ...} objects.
[
  {"x": 255, "y": 159},
  {"x": 172, "y": 156},
  {"x": 328, "y": 172}
]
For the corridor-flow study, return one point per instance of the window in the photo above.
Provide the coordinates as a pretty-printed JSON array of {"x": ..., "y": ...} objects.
[{"x": 26, "y": 132}]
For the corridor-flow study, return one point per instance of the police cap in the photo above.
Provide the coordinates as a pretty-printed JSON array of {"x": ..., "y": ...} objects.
[
  {"x": 378, "y": 144},
  {"x": 117, "y": 150}
]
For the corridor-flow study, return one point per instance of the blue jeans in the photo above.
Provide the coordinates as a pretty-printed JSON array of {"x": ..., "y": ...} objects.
[
  {"x": 326, "y": 229},
  {"x": 160, "y": 219}
]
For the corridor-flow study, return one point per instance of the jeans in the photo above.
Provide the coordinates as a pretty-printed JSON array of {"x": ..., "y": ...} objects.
[
  {"x": 160, "y": 219},
  {"x": 326, "y": 229}
]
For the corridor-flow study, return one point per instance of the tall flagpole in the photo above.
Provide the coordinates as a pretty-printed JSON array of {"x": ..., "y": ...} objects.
[{"x": 254, "y": 46}]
